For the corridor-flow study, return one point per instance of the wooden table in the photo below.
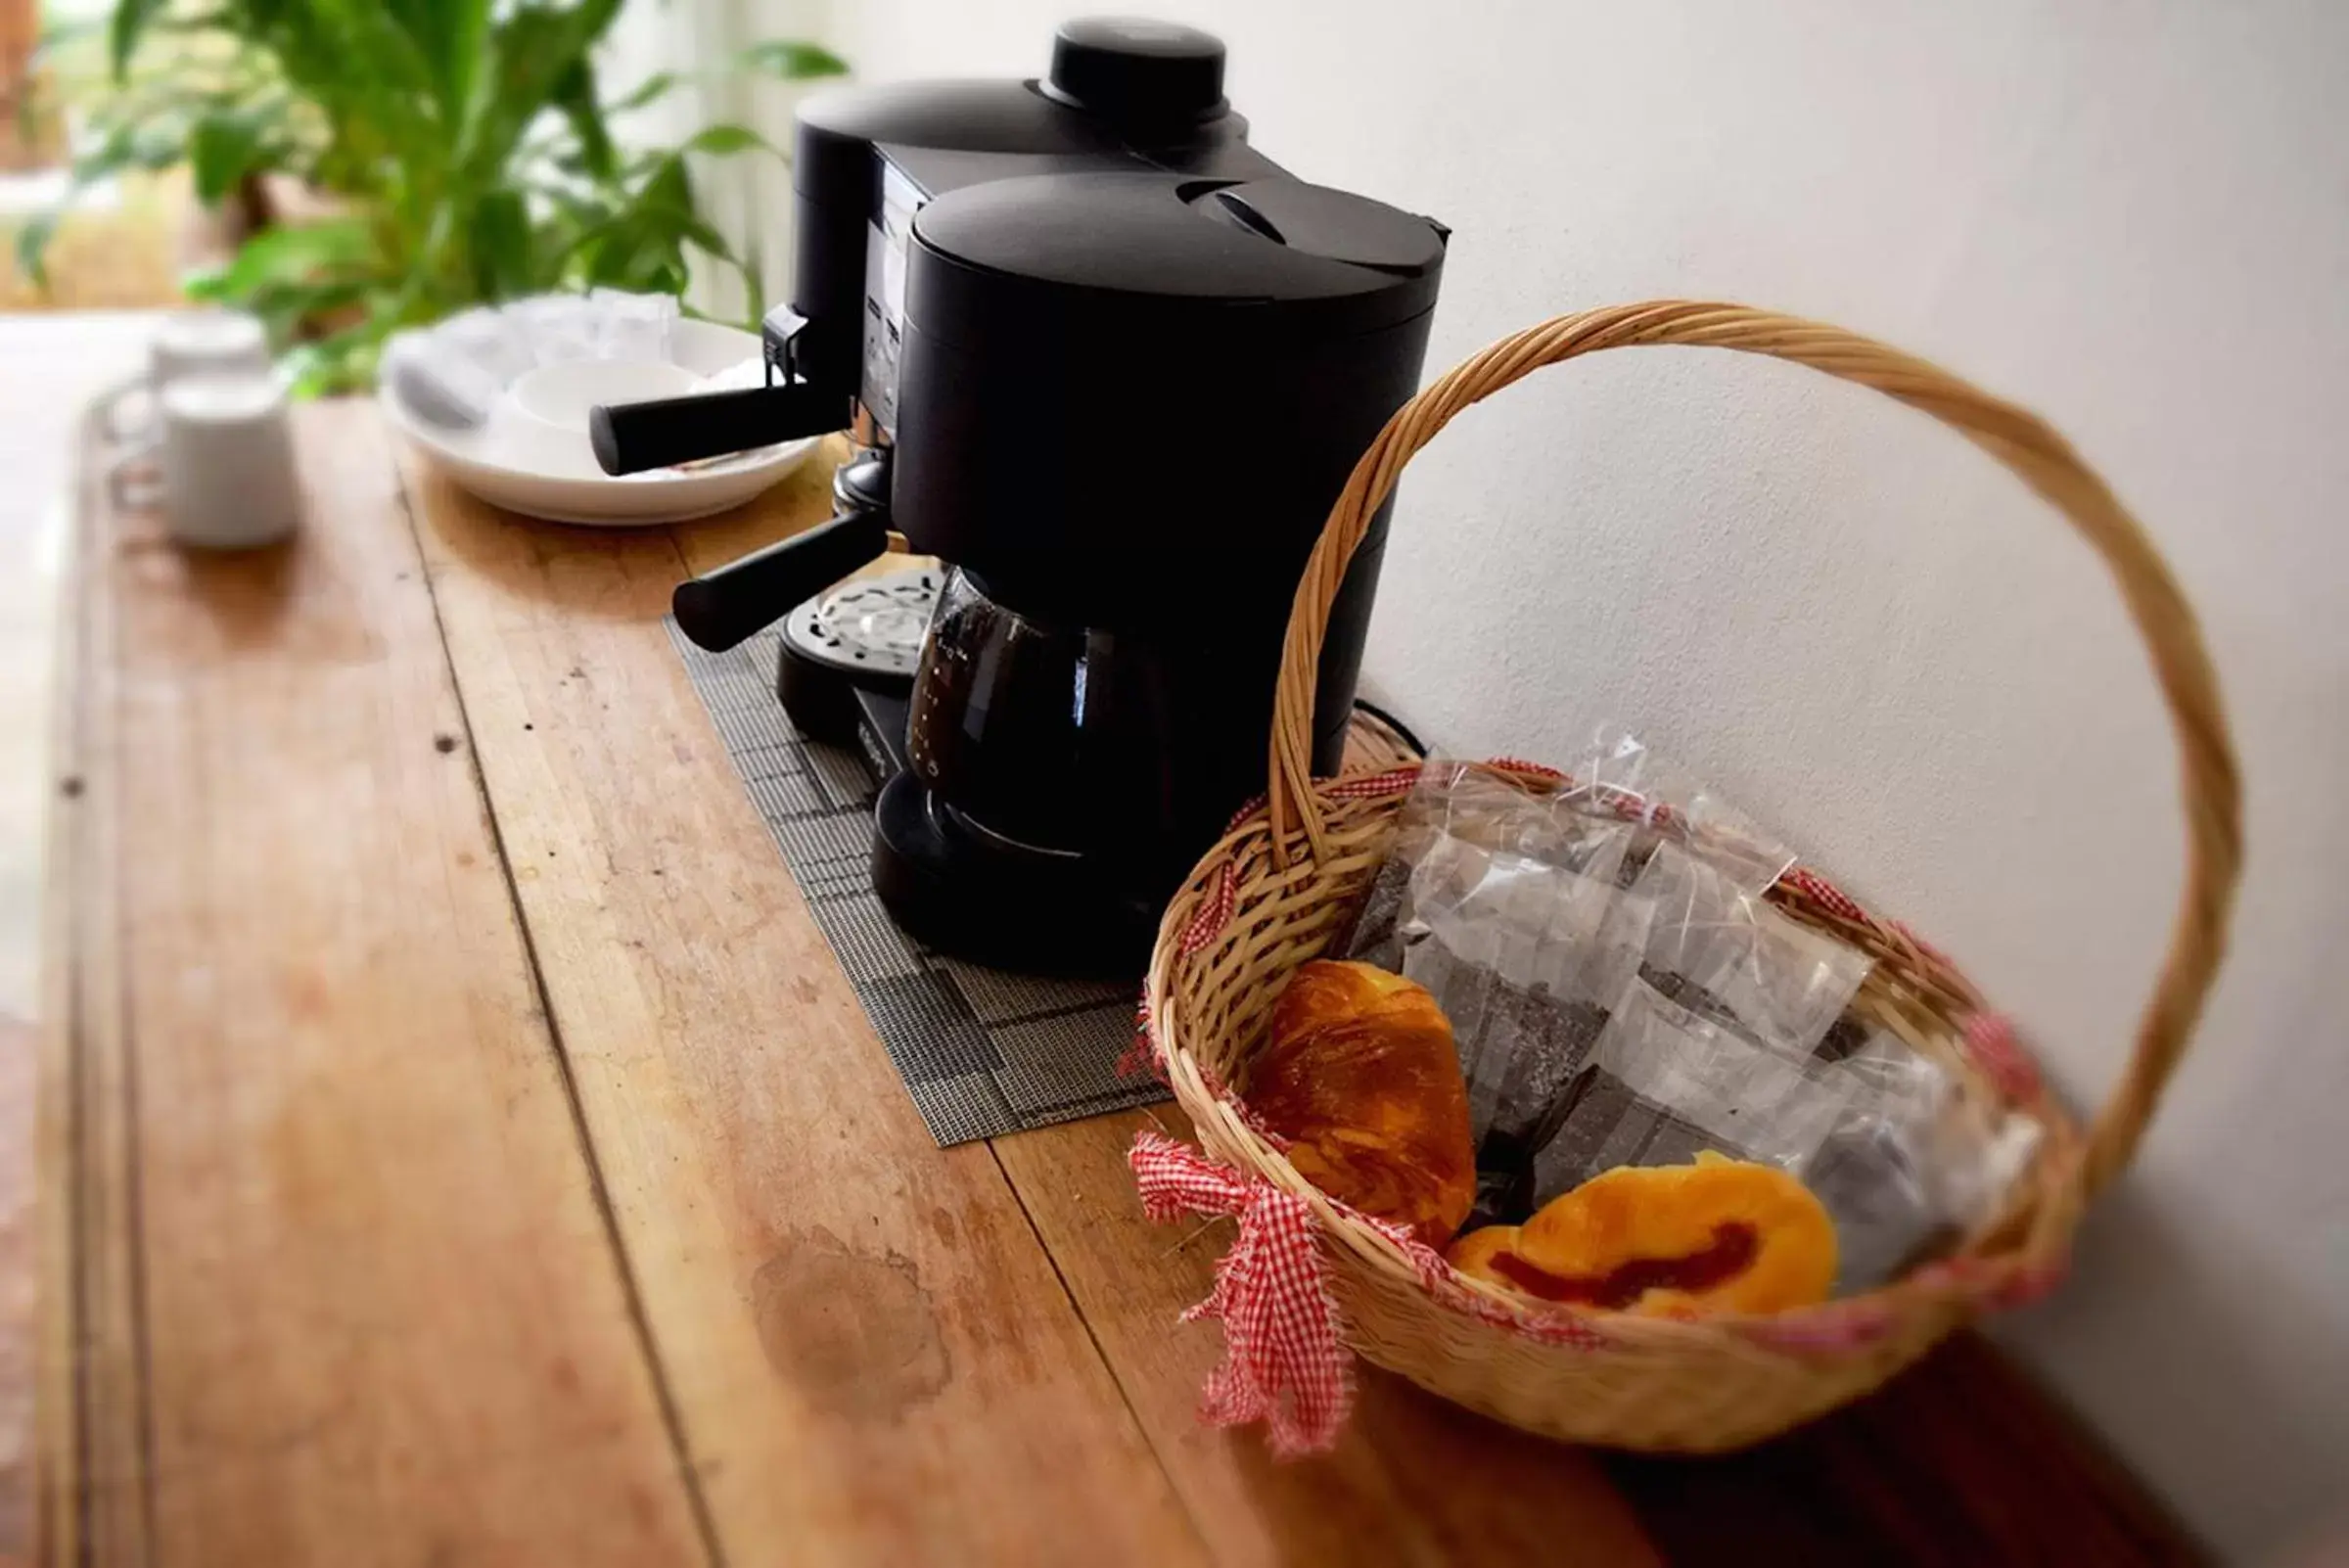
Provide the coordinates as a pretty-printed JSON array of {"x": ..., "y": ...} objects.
[{"x": 464, "y": 1149}]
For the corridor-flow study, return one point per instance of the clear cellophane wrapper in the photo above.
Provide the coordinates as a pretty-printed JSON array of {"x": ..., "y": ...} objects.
[{"x": 1621, "y": 993}]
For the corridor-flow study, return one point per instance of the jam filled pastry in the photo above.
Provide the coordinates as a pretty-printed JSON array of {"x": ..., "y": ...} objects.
[{"x": 1719, "y": 1235}]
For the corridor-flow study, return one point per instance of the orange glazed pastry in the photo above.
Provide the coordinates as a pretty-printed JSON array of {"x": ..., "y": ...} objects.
[
  {"x": 1362, "y": 1077},
  {"x": 1672, "y": 1241}
]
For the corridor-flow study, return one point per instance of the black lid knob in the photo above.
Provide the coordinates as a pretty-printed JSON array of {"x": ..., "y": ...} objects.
[{"x": 1143, "y": 77}]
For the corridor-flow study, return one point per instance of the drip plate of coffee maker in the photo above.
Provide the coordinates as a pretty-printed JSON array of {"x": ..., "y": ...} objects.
[
  {"x": 866, "y": 634},
  {"x": 873, "y": 625}
]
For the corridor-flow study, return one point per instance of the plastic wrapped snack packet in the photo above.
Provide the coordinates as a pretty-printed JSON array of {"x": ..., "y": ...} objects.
[
  {"x": 1625, "y": 777},
  {"x": 1481, "y": 810},
  {"x": 1621, "y": 994},
  {"x": 1502, "y": 940},
  {"x": 1575, "y": 981},
  {"x": 441, "y": 385},
  {"x": 1912, "y": 1165},
  {"x": 1874, "y": 1171},
  {"x": 632, "y": 326},
  {"x": 1905, "y": 1163},
  {"x": 1521, "y": 950},
  {"x": 1721, "y": 951},
  {"x": 1506, "y": 898},
  {"x": 1664, "y": 1085},
  {"x": 559, "y": 327},
  {"x": 488, "y": 339}
]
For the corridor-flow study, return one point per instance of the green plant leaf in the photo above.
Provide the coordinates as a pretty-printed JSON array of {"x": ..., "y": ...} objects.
[
  {"x": 655, "y": 86},
  {"x": 310, "y": 255},
  {"x": 223, "y": 148},
  {"x": 751, "y": 265},
  {"x": 532, "y": 50},
  {"x": 154, "y": 145},
  {"x": 173, "y": 21},
  {"x": 32, "y": 245},
  {"x": 574, "y": 97},
  {"x": 466, "y": 138},
  {"x": 723, "y": 140},
  {"x": 668, "y": 188},
  {"x": 707, "y": 237},
  {"x": 501, "y": 247},
  {"x": 362, "y": 65},
  {"x": 339, "y": 362},
  {"x": 449, "y": 35},
  {"x": 792, "y": 60},
  {"x": 129, "y": 21}
]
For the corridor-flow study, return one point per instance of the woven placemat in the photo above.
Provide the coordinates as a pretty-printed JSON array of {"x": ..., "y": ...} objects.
[{"x": 982, "y": 1051}]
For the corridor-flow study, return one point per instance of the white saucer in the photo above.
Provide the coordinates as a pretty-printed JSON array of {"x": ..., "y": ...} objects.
[{"x": 543, "y": 467}]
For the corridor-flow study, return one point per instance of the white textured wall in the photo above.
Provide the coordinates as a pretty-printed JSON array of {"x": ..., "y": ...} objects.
[{"x": 2134, "y": 217}]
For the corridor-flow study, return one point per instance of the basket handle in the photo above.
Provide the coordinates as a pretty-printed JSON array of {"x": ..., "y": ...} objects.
[{"x": 2043, "y": 460}]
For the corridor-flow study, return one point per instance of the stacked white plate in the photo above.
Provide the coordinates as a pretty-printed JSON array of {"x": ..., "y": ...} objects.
[{"x": 529, "y": 454}]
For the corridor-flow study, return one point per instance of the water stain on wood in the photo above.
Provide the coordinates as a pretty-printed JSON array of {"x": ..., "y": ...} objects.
[{"x": 855, "y": 1332}]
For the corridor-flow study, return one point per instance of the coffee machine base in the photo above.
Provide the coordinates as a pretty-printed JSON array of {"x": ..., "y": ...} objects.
[{"x": 954, "y": 887}]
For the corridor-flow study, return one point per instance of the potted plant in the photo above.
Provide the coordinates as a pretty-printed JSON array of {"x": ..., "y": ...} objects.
[{"x": 464, "y": 150}]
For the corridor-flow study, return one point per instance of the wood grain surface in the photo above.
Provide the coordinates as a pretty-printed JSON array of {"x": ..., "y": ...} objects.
[
  {"x": 349, "y": 1294},
  {"x": 1414, "y": 1480},
  {"x": 864, "y": 1340},
  {"x": 466, "y": 1149}
]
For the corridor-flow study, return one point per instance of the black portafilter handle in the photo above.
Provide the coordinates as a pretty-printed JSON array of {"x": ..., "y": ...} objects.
[
  {"x": 735, "y": 603},
  {"x": 630, "y": 438}
]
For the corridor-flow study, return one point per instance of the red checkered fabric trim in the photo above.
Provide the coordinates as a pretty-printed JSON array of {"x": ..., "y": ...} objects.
[
  {"x": 2023, "y": 1286},
  {"x": 1990, "y": 1040},
  {"x": 1255, "y": 803},
  {"x": 1997, "y": 1284},
  {"x": 1144, "y": 1055},
  {"x": 1826, "y": 893},
  {"x": 1442, "y": 1281},
  {"x": 1632, "y": 807},
  {"x": 1518, "y": 764},
  {"x": 1372, "y": 786},
  {"x": 1366, "y": 786},
  {"x": 1209, "y": 921},
  {"x": 1283, "y": 1364},
  {"x": 1833, "y": 1329}
]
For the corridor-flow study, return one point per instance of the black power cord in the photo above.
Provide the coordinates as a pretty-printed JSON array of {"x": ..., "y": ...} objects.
[{"x": 1402, "y": 730}]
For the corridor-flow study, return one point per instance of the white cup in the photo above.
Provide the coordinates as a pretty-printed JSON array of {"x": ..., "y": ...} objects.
[
  {"x": 224, "y": 462},
  {"x": 189, "y": 343}
]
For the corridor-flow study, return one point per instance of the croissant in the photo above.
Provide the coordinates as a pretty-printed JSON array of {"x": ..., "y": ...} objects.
[
  {"x": 1719, "y": 1235},
  {"x": 1362, "y": 1077}
]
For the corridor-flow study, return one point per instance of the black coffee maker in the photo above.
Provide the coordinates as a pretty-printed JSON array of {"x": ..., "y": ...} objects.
[{"x": 1112, "y": 365}]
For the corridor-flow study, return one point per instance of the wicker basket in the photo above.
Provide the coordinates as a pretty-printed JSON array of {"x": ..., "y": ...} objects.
[{"x": 1279, "y": 888}]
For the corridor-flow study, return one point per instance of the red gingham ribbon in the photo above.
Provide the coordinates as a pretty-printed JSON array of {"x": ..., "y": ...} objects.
[
  {"x": 1212, "y": 916},
  {"x": 1254, "y": 805},
  {"x": 1282, "y": 1363},
  {"x": 1826, "y": 893},
  {"x": 1372, "y": 786},
  {"x": 1144, "y": 1055},
  {"x": 1997, "y": 1284},
  {"x": 1835, "y": 1327}
]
